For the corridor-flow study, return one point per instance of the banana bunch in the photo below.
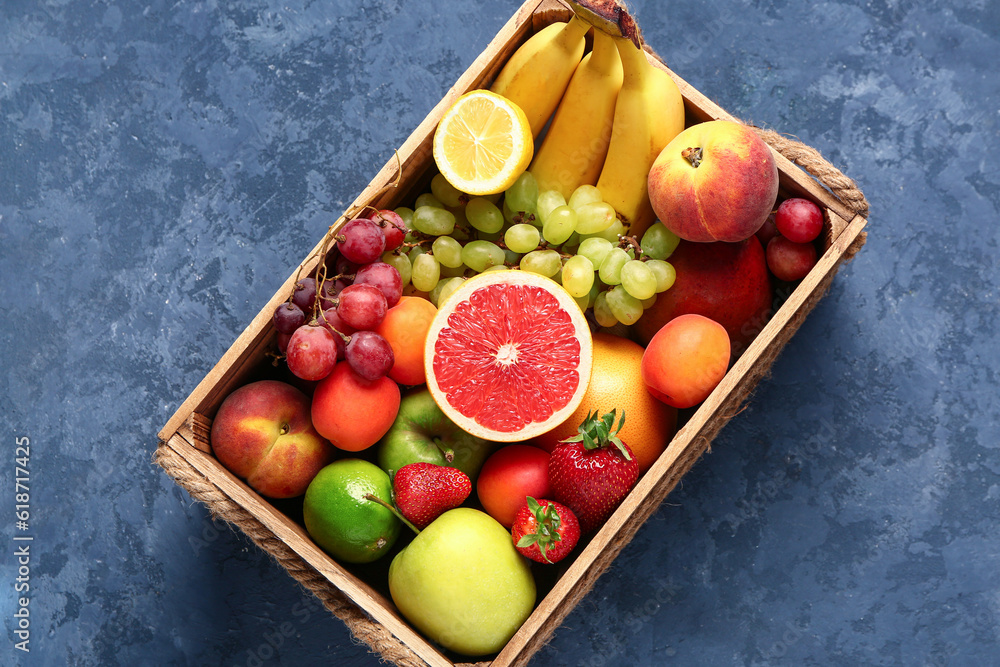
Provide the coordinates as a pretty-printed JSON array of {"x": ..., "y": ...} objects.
[
  {"x": 614, "y": 111},
  {"x": 536, "y": 76}
]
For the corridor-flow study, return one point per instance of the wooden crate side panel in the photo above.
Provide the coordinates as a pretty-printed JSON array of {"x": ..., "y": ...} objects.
[{"x": 684, "y": 449}]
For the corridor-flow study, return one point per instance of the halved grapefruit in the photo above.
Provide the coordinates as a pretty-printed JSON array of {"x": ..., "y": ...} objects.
[{"x": 508, "y": 355}]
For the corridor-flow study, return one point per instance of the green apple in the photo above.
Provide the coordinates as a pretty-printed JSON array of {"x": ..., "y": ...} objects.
[
  {"x": 462, "y": 583},
  {"x": 422, "y": 433}
]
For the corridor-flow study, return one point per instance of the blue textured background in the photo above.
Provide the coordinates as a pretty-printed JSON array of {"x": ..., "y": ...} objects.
[{"x": 164, "y": 165}]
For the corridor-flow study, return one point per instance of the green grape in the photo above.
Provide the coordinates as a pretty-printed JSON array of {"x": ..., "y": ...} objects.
[
  {"x": 463, "y": 230},
  {"x": 401, "y": 263},
  {"x": 522, "y": 238},
  {"x": 638, "y": 280},
  {"x": 578, "y": 276},
  {"x": 497, "y": 267},
  {"x": 664, "y": 273},
  {"x": 543, "y": 262},
  {"x": 428, "y": 199},
  {"x": 559, "y": 225},
  {"x": 585, "y": 194},
  {"x": 406, "y": 214},
  {"x": 448, "y": 251},
  {"x": 484, "y": 215},
  {"x": 659, "y": 242},
  {"x": 480, "y": 255},
  {"x": 448, "y": 288},
  {"x": 448, "y": 272},
  {"x": 523, "y": 194},
  {"x": 434, "y": 295},
  {"x": 626, "y": 308},
  {"x": 611, "y": 267},
  {"x": 415, "y": 251},
  {"x": 583, "y": 302},
  {"x": 648, "y": 303},
  {"x": 510, "y": 216},
  {"x": 492, "y": 238},
  {"x": 433, "y": 220},
  {"x": 595, "y": 217},
  {"x": 595, "y": 249},
  {"x": 426, "y": 272},
  {"x": 446, "y": 193},
  {"x": 548, "y": 201},
  {"x": 572, "y": 242},
  {"x": 611, "y": 233},
  {"x": 602, "y": 312},
  {"x": 510, "y": 257}
]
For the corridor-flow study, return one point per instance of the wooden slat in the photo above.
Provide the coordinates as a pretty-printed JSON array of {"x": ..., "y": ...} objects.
[{"x": 684, "y": 449}]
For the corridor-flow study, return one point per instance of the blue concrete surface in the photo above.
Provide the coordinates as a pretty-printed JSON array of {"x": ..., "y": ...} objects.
[{"x": 164, "y": 164}]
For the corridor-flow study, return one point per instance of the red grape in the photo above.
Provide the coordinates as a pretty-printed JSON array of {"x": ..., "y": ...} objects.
[
  {"x": 383, "y": 276},
  {"x": 304, "y": 295},
  {"x": 311, "y": 353},
  {"x": 393, "y": 228},
  {"x": 767, "y": 231},
  {"x": 789, "y": 260},
  {"x": 370, "y": 355},
  {"x": 288, "y": 317},
  {"x": 344, "y": 266},
  {"x": 360, "y": 241},
  {"x": 799, "y": 220},
  {"x": 331, "y": 288},
  {"x": 283, "y": 339},
  {"x": 362, "y": 306}
]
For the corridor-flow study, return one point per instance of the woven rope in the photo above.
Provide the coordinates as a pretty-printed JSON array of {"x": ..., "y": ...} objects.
[{"x": 375, "y": 635}]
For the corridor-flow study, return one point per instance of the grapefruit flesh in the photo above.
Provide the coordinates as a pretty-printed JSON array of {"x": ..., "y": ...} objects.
[{"x": 508, "y": 356}]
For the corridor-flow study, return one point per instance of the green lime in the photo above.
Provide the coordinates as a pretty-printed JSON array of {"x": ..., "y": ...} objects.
[{"x": 341, "y": 520}]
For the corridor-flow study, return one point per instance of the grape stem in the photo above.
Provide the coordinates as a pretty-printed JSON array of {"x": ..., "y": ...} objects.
[
  {"x": 630, "y": 243},
  {"x": 399, "y": 515}
]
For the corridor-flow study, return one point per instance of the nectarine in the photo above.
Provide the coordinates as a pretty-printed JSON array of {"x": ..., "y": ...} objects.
[{"x": 686, "y": 360}]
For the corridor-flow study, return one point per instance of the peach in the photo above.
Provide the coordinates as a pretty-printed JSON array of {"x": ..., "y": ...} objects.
[
  {"x": 715, "y": 181},
  {"x": 351, "y": 412},
  {"x": 263, "y": 433},
  {"x": 725, "y": 282},
  {"x": 686, "y": 360},
  {"x": 405, "y": 327}
]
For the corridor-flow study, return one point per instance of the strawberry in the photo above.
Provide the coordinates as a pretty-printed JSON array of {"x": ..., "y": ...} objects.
[
  {"x": 593, "y": 471},
  {"x": 425, "y": 491},
  {"x": 545, "y": 531}
]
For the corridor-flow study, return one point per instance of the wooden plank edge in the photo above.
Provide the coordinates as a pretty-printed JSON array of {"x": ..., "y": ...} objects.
[
  {"x": 683, "y": 451},
  {"x": 296, "y": 539}
]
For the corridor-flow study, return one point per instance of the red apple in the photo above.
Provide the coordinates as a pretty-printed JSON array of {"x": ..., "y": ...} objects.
[
  {"x": 715, "y": 181},
  {"x": 263, "y": 433},
  {"x": 725, "y": 282}
]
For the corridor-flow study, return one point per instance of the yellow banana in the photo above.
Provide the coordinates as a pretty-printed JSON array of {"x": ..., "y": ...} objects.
[
  {"x": 536, "y": 76},
  {"x": 573, "y": 150},
  {"x": 648, "y": 114}
]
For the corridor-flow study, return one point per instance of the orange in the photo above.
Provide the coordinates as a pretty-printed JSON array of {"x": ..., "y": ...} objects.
[
  {"x": 405, "y": 328},
  {"x": 508, "y": 355},
  {"x": 616, "y": 382}
]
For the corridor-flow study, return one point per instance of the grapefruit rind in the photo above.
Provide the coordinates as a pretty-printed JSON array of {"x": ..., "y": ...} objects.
[{"x": 581, "y": 331}]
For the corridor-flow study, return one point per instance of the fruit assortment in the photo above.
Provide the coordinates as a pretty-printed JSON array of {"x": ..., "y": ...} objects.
[{"x": 495, "y": 366}]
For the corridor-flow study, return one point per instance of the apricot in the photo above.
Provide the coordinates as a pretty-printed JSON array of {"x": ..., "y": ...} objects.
[
  {"x": 405, "y": 327},
  {"x": 725, "y": 282},
  {"x": 715, "y": 181},
  {"x": 351, "y": 412},
  {"x": 686, "y": 360}
]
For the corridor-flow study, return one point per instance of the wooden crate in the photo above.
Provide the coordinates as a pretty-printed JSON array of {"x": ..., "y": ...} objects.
[{"x": 185, "y": 451}]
